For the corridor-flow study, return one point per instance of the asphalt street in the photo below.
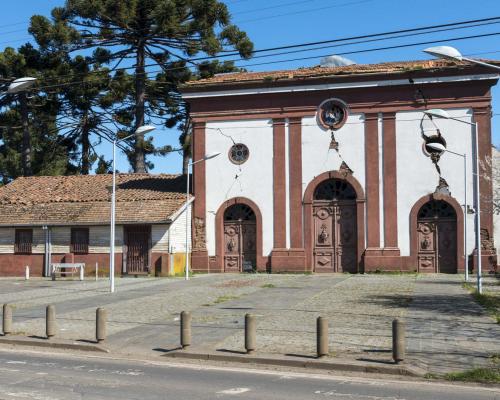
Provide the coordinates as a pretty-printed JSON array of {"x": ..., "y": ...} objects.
[{"x": 44, "y": 376}]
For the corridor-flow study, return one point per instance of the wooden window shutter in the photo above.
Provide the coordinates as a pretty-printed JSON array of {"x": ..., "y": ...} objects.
[
  {"x": 24, "y": 241},
  {"x": 79, "y": 240}
]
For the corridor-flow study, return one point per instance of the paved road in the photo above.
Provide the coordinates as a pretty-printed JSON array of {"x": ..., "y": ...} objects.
[{"x": 42, "y": 376}]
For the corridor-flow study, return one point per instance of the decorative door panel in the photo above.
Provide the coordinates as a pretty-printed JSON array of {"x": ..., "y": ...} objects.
[
  {"x": 232, "y": 247},
  {"x": 335, "y": 238},
  {"x": 137, "y": 239},
  {"x": 447, "y": 245},
  {"x": 427, "y": 246}
]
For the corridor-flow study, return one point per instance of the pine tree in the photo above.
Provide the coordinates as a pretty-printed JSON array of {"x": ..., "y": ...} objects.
[{"x": 164, "y": 33}]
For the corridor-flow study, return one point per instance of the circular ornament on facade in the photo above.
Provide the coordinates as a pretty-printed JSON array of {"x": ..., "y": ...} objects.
[
  {"x": 238, "y": 153},
  {"x": 323, "y": 213},
  {"x": 332, "y": 114}
]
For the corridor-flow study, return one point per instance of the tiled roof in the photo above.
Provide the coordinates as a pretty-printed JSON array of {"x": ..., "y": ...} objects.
[
  {"x": 85, "y": 199},
  {"x": 319, "y": 72}
]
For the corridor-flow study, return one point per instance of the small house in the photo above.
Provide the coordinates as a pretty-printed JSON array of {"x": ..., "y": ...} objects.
[{"x": 66, "y": 219}]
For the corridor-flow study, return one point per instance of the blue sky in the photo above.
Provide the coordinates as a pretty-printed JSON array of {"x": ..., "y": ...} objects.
[{"x": 271, "y": 23}]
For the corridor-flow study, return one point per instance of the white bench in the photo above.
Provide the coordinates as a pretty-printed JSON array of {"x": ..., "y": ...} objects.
[{"x": 57, "y": 268}]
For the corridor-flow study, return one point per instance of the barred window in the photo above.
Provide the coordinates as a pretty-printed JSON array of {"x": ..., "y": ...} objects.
[
  {"x": 79, "y": 240},
  {"x": 24, "y": 241}
]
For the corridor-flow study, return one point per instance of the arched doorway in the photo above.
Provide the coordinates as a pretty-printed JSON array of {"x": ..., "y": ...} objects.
[
  {"x": 240, "y": 238},
  {"x": 437, "y": 237},
  {"x": 335, "y": 236}
]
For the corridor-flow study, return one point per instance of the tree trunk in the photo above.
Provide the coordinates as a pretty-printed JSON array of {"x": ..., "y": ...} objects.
[
  {"x": 26, "y": 147},
  {"x": 140, "y": 95},
  {"x": 85, "y": 147}
]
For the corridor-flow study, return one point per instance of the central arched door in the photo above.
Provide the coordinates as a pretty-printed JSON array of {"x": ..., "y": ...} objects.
[
  {"x": 240, "y": 238},
  {"x": 335, "y": 227},
  {"x": 437, "y": 237}
]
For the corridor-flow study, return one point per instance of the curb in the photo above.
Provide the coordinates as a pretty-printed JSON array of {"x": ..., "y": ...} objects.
[
  {"x": 54, "y": 344},
  {"x": 334, "y": 365}
]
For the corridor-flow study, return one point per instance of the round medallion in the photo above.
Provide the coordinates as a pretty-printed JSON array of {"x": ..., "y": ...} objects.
[
  {"x": 238, "y": 153},
  {"x": 332, "y": 114}
]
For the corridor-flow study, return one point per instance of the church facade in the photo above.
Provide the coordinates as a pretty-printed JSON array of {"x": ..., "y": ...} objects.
[{"x": 333, "y": 169}]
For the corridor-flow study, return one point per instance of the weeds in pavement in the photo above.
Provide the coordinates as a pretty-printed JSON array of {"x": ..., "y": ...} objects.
[
  {"x": 268, "y": 286},
  {"x": 222, "y": 299},
  {"x": 490, "y": 301},
  {"x": 484, "y": 375}
]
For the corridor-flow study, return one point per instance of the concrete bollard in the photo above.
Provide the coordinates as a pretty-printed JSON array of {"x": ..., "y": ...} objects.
[
  {"x": 82, "y": 270},
  {"x": 185, "y": 329},
  {"x": 50, "y": 321},
  {"x": 250, "y": 333},
  {"x": 96, "y": 271},
  {"x": 27, "y": 273},
  {"x": 322, "y": 337},
  {"x": 100, "y": 324},
  {"x": 7, "y": 319},
  {"x": 398, "y": 340}
]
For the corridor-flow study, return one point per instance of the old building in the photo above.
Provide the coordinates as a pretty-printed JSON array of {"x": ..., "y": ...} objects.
[
  {"x": 330, "y": 168},
  {"x": 58, "y": 219}
]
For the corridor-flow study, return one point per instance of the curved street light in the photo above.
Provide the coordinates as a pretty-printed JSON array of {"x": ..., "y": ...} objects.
[
  {"x": 139, "y": 131},
  {"x": 451, "y": 53},
  {"x": 439, "y": 113}
]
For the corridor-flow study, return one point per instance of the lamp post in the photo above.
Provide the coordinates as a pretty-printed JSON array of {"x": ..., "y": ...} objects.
[
  {"x": 438, "y": 113},
  {"x": 141, "y": 130},
  {"x": 19, "y": 87},
  {"x": 440, "y": 147},
  {"x": 186, "y": 261},
  {"x": 452, "y": 53}
]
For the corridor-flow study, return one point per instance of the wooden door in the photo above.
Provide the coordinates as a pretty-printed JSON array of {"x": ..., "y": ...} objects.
[
  {"x": 335, "y": 238},
  {"x": 447, "y": 246},
  {"x": 240, "y": 246},
  {"x": 137, "y": 241},
  {"x": 437, "y": 238}
]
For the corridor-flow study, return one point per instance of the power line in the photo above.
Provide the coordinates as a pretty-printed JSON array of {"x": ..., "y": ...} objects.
[{"x": 416, "y": 31}]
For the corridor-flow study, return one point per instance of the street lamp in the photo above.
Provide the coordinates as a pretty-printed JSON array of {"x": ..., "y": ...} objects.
[
  {"x": 439, "y": 147},
  {"x": 438, "y": 113},
  {"x": 141, "y": 130},
  {"x": 207, "y": 157},
  {"x": 19, "y": 87},
  {"x": 450, "y": 53}
]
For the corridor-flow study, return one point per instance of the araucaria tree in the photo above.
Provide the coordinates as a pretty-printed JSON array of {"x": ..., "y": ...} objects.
[{"x": 153, "y": 34}]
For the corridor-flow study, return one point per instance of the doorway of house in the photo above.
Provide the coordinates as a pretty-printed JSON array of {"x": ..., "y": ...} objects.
[
  {"x": 240, "y": 238},
  {"x": 437, "y": 237},
  {"x": 137, "y": 245},
  {"x": 335, "y": 227}
]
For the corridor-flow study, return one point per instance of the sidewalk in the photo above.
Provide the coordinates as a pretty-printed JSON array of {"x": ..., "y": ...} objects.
[{"x": 446, "y": 329}]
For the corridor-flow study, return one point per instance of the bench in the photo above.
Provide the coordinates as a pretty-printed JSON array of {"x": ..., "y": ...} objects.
[{"x": 57, "y": 268}]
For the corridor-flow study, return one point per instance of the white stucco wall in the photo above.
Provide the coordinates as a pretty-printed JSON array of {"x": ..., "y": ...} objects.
[
  {"x": 416, "y": 174},
  {"x": 252, "y": 179},
  {"x": 317, "y": 157},
  {"x": 177, "y": 233}
]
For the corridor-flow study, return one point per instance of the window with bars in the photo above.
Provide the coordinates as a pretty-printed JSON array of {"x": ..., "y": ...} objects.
[
  {"x": 24, "y": 241},
  {"x": 79, "y": 240}
]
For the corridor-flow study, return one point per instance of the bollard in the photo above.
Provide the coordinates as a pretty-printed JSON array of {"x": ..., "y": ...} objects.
[
  {"x": 185, "y": 329},
  {"x": 50, "y": 321},
  {"x": 100, "y": 324},
  {"x": 322, "y": 337},
  {"x": 250, "y": 333},
  {"x": 398, "y": 341},
  {"x": 96, "y": 271},
  {"x": 82, "y": 270},
  {"x": 7, "y": 319},
  {"x": 27, "y": 273}
]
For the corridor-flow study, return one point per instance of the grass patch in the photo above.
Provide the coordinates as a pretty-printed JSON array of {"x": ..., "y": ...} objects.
[
  {"x": 484, "y": 375},
  {"x": 222, "y": 299},
  {"x": 490, "y": 301},
  {"x": 268, "y": 286}
]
